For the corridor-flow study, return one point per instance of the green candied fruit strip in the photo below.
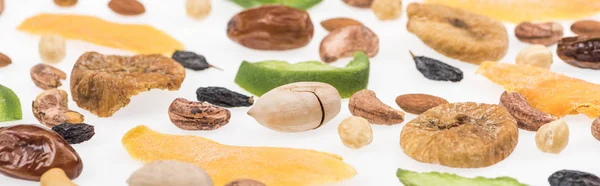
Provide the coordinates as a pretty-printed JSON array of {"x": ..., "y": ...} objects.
[
  {"x": 10, "y": 105},
  {"x": 259, "y": 78},
  {"x": 300, "y": 4},
  {"x": 410, "y": 178}
]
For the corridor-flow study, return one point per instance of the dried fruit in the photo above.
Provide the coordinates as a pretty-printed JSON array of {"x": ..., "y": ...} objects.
[
  {"x": 344, "y": 42},
  {"x": 55, "y": 177},
  {"x": 461, "y": 135},
  {"x": 586, "y": 28},
  {"x": 293, "y": 167},
  {"x": 28, "y": 151},
  {"x": 272, "y": 27},
  {"x": 596, "y": 128},
  {"x": 528, "y": 118},
  {"x": 365, "y": 104},
  {"x": 47, "y": 77},
  {"x": 418, "y": 103},
  {"x": 355, "y": 132},
  {"x": 297, "y": 107},
  {"x": 143, "y": 39},
  {"x": 10, "y": 105},
  {"x": 259, "y": 78},
  {"x": 4, "y": 60},
  {"x": 190, "y": 115},
  {"x": 411, "y": 178},
  {"x": 169, "y": 172},
  {"x": 387, "y": 9},
  {"x": 52, "y": 48},
  {"x": 580, "y": 51},
  {"x": 245, "y": 182},
  {"x": 65, "y": 3},
  {"x": 127, "y": 7},
  {"x": 51, "y": 109},
  {"x": 300, "y": 4},
  {"x": 102, "y": 84},
  {"x": 75, "y": 133},
  {"x": 223, "y": 97},
  {"x": 548, "y": 33},
  {"x": 191, "y": 60},
  {"x": 536, "y": 55},
  {"x": 457, "y": 33},
  {"x": 197, "y": 9},
  {"x": 359, "y": 3},
  {"x": 436, "y": 70},
  {"x": 337, "y": 23},
  {"x": 552, "y": 137},
  {"x": 572, "y": 178}
]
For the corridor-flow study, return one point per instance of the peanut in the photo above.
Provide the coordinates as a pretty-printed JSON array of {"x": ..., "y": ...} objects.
[{"x": 552, "y": 137}]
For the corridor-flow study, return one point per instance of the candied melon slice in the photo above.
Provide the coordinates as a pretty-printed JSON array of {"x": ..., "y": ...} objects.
[
  {"x": 547, "y": 91},
  {"x": 142, "y": 39},
  {"x": 272, "y": 166},
  {"x": 517, "y": 11}
]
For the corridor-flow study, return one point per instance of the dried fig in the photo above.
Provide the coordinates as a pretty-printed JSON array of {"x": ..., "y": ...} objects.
[
  {"x": 527, "y": 117},
  {"x": 192, "y": 115},
  {"x": 344, "y": 42},
  {"x": 458, "y": 33},
  {"x": 336, "y": 23},
  {"x": 365, "y": 104},
  {"x": 102, "y": 84},
  {"x": 271, "y": 27},
  {"x": 580, "y": 51},
  {"x": 461, "y": 135},
  {"x": 47, "y": 77},
  {"x": 51, "y": 109},
  {"x": 539, "y": 33}
]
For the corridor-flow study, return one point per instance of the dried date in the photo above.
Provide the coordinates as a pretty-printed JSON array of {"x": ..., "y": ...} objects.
[
  {"x": 223, "y": 97},
  {"x": 582, "y": 51},
  {"x": 191, "y": 60},
  {"x": 75, "y": 133},
  {"x": 437, "y": 70},
  {"x": 573, "y": 178}
]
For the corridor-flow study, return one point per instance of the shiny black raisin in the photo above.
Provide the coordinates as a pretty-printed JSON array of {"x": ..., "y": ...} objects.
[
  {"x": 191, "y": 60},
  {"x": 75, "y": 133},
  {"x": 573, "y": 178},
  {"x": 223, "y": 97},
  {"x": 437, "y": 70}
]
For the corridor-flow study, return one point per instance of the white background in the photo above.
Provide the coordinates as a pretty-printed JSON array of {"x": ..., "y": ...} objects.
[{"x": 392, "y": 73}]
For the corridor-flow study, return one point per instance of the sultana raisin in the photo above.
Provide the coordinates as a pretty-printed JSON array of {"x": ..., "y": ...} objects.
[
  {"x": 223, "y": 97},
  {"x": 437, "y": 70},
  {"x": 75, "y": 133},
  {"x": 573, "y": 178}
]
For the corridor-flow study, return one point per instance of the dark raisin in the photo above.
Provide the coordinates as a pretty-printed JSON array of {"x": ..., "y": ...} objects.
[
  {"x": 437, "y": 70},
  {"x": 223, "y": 97},
  {"x": 191, "y": 60},
  {"x": 573, "y": 178},
  {"x": 75, "y": 133}
]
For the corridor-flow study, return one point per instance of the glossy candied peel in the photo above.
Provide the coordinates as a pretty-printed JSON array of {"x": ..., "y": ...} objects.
[
  {"x": 547, "y": 91},
  {"x": 272, "y": 166},
  {"x": 143, "y": 39},
  {"x": 521, "y": 10}
]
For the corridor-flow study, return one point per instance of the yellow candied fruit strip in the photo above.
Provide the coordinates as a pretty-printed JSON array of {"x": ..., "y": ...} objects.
[
  {"x": 272, "y": 166},
  {"x": 142, "y": 39},
  {"x": 517, "y": 11}
]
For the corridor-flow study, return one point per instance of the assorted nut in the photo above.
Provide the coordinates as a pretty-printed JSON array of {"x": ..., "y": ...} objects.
[
  {"x": 552, "y": 137},
  {"x": 191, "y": 115},
  {"x": 536, "y": 55},
  {"x": 586, "y": 28},
  {"x": 197, "y": 9},
  {"x": 4, "y": 60},
  {"x": 528, "y": 118},
  {"x": 365, "y": 104},
  {"x": 52, "y": 48},
  {"x": 51, "y": 109},
  {"x": 580, "y": 51},
  {"x": 245, "y": 182},
  {"x": 418, "y": 103},
  {"x": 65, "y": 3},
  {"x": 346, "y": 41},
  {"x": 387, "y": 9},
  {"x": 169, "y": 172},
  {"x": 359, "y": 3},
  {"x": 355, "y": 132},
  {"x": 596, "y": 128},
  {"x": 47, "y": 77},
  {"x": 127, "y": 7},
  {"x": 336, "y": 23},
  {"x": 539, "y": 33},
  {"x": 55, "y": 177}
]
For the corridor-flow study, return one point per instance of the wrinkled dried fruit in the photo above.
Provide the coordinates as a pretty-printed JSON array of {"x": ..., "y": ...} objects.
[
  {"x": 197, "y": 9},
  {"x": 436, "y": 70},
  {"x": 418, "y": 103},
  {"x": 461, "y": 135},
  {"x": 547, "y": 34},
  {"x": 245, "y": 182},
  {"x": 546, "y": 91},
  {"x": 344, "y": 42},
  {"x": 75, "y": 133},
  {"x": 336, "y": 23},
  {"x": 536, "y": 55},
  {"x": 190, "y": 115},
  {"x": 359, "y": 3},
  {"x": 10, "y": 105},
  {"x": 55, "y": 177},
  {"x": 127, "y": 7},
  {"x": 4, "y": 60},
  {"x": 65, "y": 3},
  {"x": 191, "y": 60},
  {"x": 411, "y": 178},
  {"x": 47, "y": 77},
  {"x": 586, "y": 28},
  {"x": 271, "y": 27},
  {"x": 552, "y": 137},
  {"x": 573, "y": 178},
  {"x": 457, "y": 33},
  {"x": 355, "y": 132},
  {"x": 51, "y": 109},
  {"x": 300, "y": 4},
  {"x": 52, "y": 48},
  {"x": 387, "y": 9},
  {"x": 293, "y": 167},
  {"x": 169, "y": 172},
  {"x": 580, "y": 51},
  {"x": 143, "y": 39},
  {"x": 596, "y": 128},
  {"x": 223, "y": 97},
  {"x": 102, "y": 84},
  {"x": 527, "y": 117},
  {"x": 28, "y": 151},
  {"x": 297, "y": 107},
  {"x": 365, "y": 104}
]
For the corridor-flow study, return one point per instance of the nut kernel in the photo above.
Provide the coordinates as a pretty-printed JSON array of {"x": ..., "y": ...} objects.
[
  {"x": 355, "y": 132},
  {"x": 198, "y": 9},
  {"x": 387, "y": 9},
  {"x": 537, "y": 55},
  {"x": 552, "y": 137},
  {"x": 52, "y": 48}
]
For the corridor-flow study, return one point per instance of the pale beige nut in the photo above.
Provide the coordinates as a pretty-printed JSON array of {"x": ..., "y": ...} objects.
[
  {"x": 596, "y": 129},
  {"x": 359, "y": 3},
  {"x": 552, "y": 137},
  {"x": 193, "y": 115},
  {"x": 387, "y": 9},
  {"x": 4, "y": 59},
  {"x": 51, "y": 108},
  {"x": 198, "y": 9},
  {"x": 528, "y": 118},
  {"x": 170, "y": 173},
  {"x": 418, "y": 103},
  {"x": 55, "y": 177},
  {"x": 52, "y": 48},
  {"x": 336, "y": 23},
  {"x": 47, "y": 77},
  {"x": 65, "y": 3},
  {"x": 365, "y": 104},
  {"x": 536, "y": 55},
  {"x": 245, "y": 182},
  {"x": 346, "y": 41},
  {"x": 355, "y": 132},
  {"x": 586, "y": 28},
  {"x": 127, "y": 7},
  {"x": 547, "y": 34}
]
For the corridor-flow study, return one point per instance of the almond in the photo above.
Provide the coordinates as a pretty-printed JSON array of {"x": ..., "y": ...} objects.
[
  {"x": 418, "y": 103},
  {"x": 127, "y": 7},
  {"x": 65, "y": 3},
  {"x": 335, "y": 23},
  {"x": 1, "y": 6},
  {"x": 4, "y": 60},
  {"x": 586, "y": 28}
]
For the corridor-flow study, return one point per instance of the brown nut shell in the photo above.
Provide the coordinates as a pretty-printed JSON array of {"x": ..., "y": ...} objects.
[
  {"x": 271, "y": 27},
  {"x": 336, "y": 23},
  {"x": 344, "y": 42},
  {"x": 127, "y": 7},
  {"x": 65, "y": 3},
  {"x": 547, "y": 34},
  {"x": 4, "y": 60},
  {"x": 580, "y": 51},
  {"x": 365, "y": 104},
  {"x": 596, "y": 128},
  {"x": 245, "y": 182},
  {"x": 586, "y": 28},
  {"x": 193, "y": 115},
  {"x": 461, "y": 135},
  {"x": 51, "y": 109},
  {"x": 47, "y": 77},
  {"x": 359, "y": 3},
  {"x": 527, "y": 117},
  {"x": 418, "y": 103}
]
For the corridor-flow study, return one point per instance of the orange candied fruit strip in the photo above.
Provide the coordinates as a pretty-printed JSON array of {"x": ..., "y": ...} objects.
[
  {"x": 272, "y": 166},
  {"x": 142, "y": 39}
]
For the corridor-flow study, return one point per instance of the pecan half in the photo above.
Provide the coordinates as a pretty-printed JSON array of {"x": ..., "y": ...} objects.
[
  {"x": 191, "y": 115},
  {"x": 547, "y": 34}
]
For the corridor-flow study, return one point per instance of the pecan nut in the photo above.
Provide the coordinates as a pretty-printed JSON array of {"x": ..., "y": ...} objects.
[
  {"x": 586, "y": 28},
  {"x": 547, "y": 34},
  {"x": 47, "y": 77},
  {"x": 190, "y": 115}
]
